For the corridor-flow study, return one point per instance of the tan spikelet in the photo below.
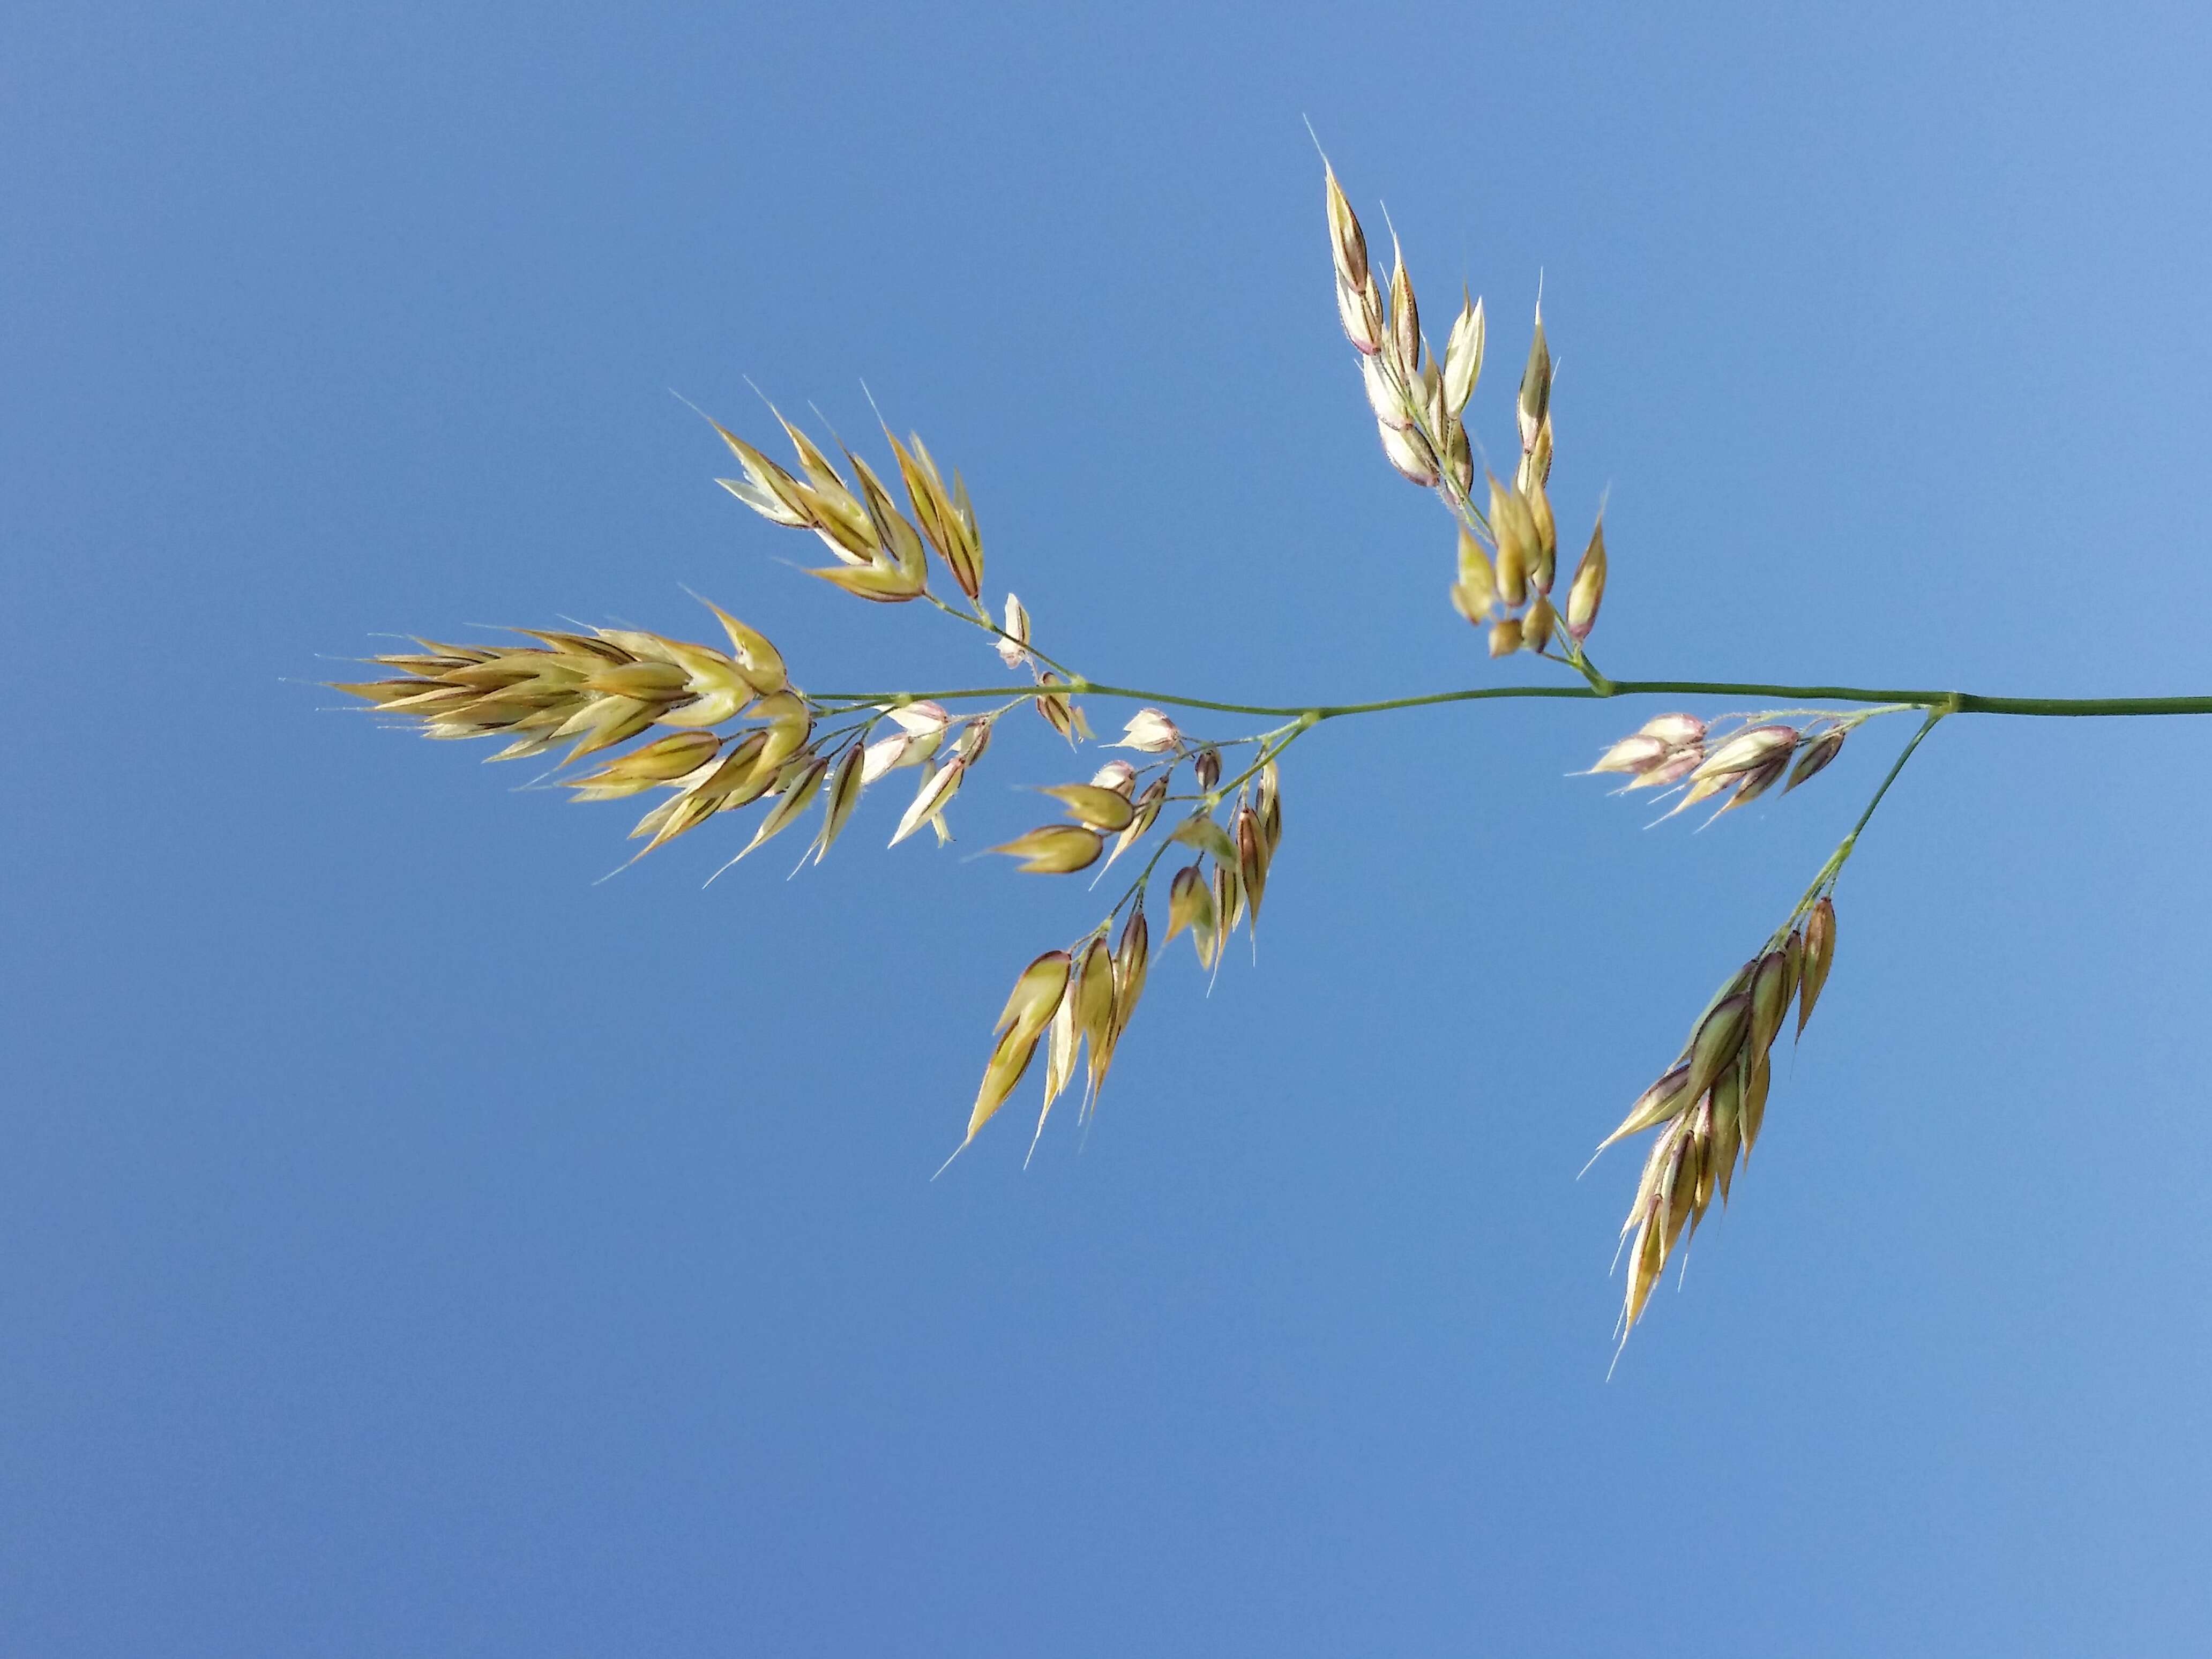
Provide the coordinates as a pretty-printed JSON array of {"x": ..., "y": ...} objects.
[
  {"x": 1055, "y": 849},
  {"x": 1093, "y": 805},
  {"x": 1146, "y": 810},
  {"x": 845, "y": 786},
  {"x": 1037, "y": 997},
  {"x": 1820, "y": 957}
]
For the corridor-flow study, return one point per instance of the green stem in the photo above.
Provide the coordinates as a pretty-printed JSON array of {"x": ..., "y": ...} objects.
[
  {"x": 1889, "y": 777},
  {"x": 1950, "y": 702},
  {"x": 1826, "y": 880},
  {"x": 993, "y": 628}
]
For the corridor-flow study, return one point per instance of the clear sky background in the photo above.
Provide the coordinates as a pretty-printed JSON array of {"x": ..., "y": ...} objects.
[{"x": 409, "y": 1246}]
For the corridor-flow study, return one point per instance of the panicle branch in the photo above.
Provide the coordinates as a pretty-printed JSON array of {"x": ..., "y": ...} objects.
[{"x": 718, "y": 729}]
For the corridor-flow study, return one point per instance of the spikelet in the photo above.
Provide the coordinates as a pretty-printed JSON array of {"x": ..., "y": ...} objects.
[
  {"x": 1059, "y": 708},
  {"x": 1150, "y": 732},
  {"x": 1099, "y": 807},
  {"x": 1741, "y": 766},
  {"x": 1711, "y": 1104},
  {"x": 1035, "y": 998},
  {"x": 1055, "y": 849},
  {"x": 1226, "y": 885},
  {"x": 880, "y": 551},
  {"x": 599, "y": 689},
  {"x": 1586, "y": 591},
  {"x": 1419, "y": 404}
]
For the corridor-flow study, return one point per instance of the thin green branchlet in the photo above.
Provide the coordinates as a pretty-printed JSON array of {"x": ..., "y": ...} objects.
[
  {"x": 716, "y": 730},
  {"x": 1951, "y": 703}
]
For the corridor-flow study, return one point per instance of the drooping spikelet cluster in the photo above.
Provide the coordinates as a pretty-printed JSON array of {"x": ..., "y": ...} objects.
[
  {"x": 610, "y": 685},
  {"x": 1681, "y": 752},
  {"x": 1709, "y": 1104},
  {"x": 1508, "y": 554},
  {"x": 878, "y": 548},
  {"x": 1086, "y": 993},
  {"x": 601, "y": 689},
  {"x": 1065, "y": 1001}
]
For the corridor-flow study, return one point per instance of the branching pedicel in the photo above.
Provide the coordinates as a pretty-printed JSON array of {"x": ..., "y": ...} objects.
[{"x": 733, "y": 733}]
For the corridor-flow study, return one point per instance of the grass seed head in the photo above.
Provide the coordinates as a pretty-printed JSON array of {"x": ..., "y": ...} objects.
[
  {"x": 1586, "y": 592},
  {"x": 1359, "y": 308},
  {"x": 1677, "y": 766},
  {"x": 1747, "y": 751},
  {"x": 1755, "y": 782},
  {"x": 845, "y": 786},
  {"x": 1728, "y": 1124},
  {"x": 1131, "y": 960},
  {"x": 1635, "y": 755},
  {"x": 1534, "y": 406},
  {"x": 796, "y": 787},
  {"x": 1384, "y": 399},
  {"x": 1537, "y": 624},
  {"x": 887, "y": 755},
  {"x": 1251, "y": 858},
  {"x": 1719, "y": 1034},
  {"x": 1190, "y": 904},
  {"x": 946, "y": 517},
  {"x": 1014, "y": 651},
  {"x": 1535, "y": 466},
  {"x": 1676, "y": 730},
  {"x": 1059, "y": 708},
  {"x": 1405, "y": 339},
  {"x": 1270, "y": 797},
  {"x": 1544, "y": 564},
  {"x": 939, "y": 785},
  {"x": 1754, "y": 1100},
  {"x": 1093, "y": 1004},
  {"x": 1229, "y": 901},
  {"x": 789, "y": 723},
  {"x": 1150, "y": 732},
  {"x": 1515, "y": 532},
  {"x": 766, "y": 488},
  {"x": 1146, "y": 808},
  {"x": 1474, "y": 604},
  {"x": 1816, "y": 755},
  {"x": 1476, "y": 575},
  {"x": 1820, "y": 957},
  {"x": 1201, "y": 832},
  {"x": 1428, "y": 389},
  {"x": 1061, "y": 1040},
  {"x": 1464, "y": 353},
  {"x": 1347, "y": 242},
  {"x": 1708, "y": 1108},
  {"x": 738, "y": 778},
  {"x": 919, "y": 719},
  {"x": 1459, "y": 456},
  {"x": 1662, "y": 1102},
  {"x": 1035, "y": 998},
  {"x": 599, "y": 688},
  {"x": 660, "y": 762},
  {"x": 880, "y": 553},
  {"x": 1770, "y": 1000},
  {"x": 1409, "y": 452},
  {"x": 1704, "y": 1146},
  {"x": 1094, "y": 804},
  {"x": 1055, "y": 849}
]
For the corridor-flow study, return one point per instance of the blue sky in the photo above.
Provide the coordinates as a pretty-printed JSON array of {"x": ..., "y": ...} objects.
[{"x": 408, "y": 1244}]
